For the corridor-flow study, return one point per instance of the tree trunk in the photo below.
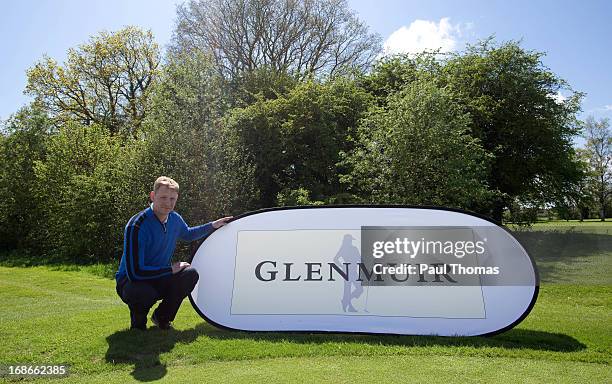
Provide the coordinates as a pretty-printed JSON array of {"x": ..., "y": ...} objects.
[{"x": 498, "y": 211}]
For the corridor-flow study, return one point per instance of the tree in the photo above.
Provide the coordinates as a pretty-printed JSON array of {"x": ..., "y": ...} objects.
[
  {"x": 599, "y": 153},
  {"x": 185, "y": 138},
  {"x": 299, "y": 37},
  {"x": 417, "y": 150},
  {"x": 295, "y": 140},
  {"x": 391, "y": 74},
  {"x": 105, "y": 81},
  {"x": 509, "y": 95},
  {"x": 576, "y": 194},
  {"x": 260, "y": 84},
  {"x": 27, "y": 133},
  {"x": 83, "y": 194}
]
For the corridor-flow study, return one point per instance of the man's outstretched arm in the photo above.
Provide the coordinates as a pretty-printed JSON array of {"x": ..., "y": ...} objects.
[{"x": 194, "y": 233}]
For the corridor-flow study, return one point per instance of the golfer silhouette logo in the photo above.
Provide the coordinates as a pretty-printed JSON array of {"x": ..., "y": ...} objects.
[{"x": 350, "y": 255}]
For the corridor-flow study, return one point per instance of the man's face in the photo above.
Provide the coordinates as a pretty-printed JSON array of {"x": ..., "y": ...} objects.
[{"x": 164, "y": 200}]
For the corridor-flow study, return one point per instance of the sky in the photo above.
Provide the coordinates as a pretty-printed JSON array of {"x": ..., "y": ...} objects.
[{"x": 575, "y": 35}]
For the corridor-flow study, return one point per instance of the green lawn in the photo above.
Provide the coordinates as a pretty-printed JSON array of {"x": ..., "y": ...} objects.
[
  {"x": 67, "y": 314},
  {"x": 74, "y": 317},
  {"x": 570, "y": 254},
  {"x": 587, "y": 222}
]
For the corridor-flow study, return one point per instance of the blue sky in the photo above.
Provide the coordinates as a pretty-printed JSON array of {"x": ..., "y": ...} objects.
[{"x": 576, "y": 36}]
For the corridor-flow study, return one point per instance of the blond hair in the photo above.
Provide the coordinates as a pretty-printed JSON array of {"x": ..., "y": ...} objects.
[{"x": 165, "y": 181}]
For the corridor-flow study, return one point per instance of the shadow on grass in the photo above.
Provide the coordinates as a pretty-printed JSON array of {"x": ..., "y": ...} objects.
[
  {"x": 563, "y": 244},
  {"x": 143, "y": 348},
  {"x": 556, "y": 249},
  {"x": 513, "y": 339}
]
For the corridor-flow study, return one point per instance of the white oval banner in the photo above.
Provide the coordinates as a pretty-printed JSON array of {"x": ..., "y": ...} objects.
[{"x": 391, "y": 270}]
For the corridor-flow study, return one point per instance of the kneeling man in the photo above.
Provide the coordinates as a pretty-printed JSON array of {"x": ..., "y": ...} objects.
[{"x": 145, "y": 274}]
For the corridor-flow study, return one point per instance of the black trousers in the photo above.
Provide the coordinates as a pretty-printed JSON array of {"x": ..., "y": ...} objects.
[{"x": 140, "y": 296}]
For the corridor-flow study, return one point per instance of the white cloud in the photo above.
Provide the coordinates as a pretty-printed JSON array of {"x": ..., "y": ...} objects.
[
  {"x": 423, "y": 35},
  {"x": 603, "y": 108},
  {"x": 558, "y": 98}
]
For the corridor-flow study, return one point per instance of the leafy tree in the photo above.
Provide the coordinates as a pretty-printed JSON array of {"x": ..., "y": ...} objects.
[
  {"x": 521, "y": 213},
  {"x": 82, "y": 194},
  {"x": 318, "y": 37},
  {"x": 259, "y": 84},
  {"x": 185, "y": 139},
  {"x": 417, "y": 150},
  {"x": 391, "y": 74},
  {"x": 599, "y": 154},
  {"x": 105, "y": 81},
  {"x": 295, "y": 140},
  {"x": 576, "y": 195},
  {"x": 259, "y": 136},
  {"x": 23, "y": 143},
  {"x": 508, "y": 93},
  {"x": 293, "y": 197}
]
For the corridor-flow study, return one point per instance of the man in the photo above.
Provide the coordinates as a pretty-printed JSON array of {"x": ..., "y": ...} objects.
[{"x": 145, "y": 274}]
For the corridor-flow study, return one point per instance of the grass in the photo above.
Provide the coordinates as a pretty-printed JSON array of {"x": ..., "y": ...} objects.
[
  {"x": 575, "y": 254},
  {"x": 71, "y": 315},
  {"x": 586, "y": 222}
]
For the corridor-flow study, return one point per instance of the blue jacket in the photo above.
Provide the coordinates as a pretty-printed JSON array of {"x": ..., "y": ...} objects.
[{"x": 148, "y": 244}]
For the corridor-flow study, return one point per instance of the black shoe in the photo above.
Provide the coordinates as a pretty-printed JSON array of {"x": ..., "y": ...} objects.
[
  {"x": 161, "y": 324},
  {"x": 138, "y": 320}
]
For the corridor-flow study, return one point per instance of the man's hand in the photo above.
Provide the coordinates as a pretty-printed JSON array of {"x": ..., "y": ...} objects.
[
  {"x": 221, "y": 222},
  {"x": 179, "y": 266}
]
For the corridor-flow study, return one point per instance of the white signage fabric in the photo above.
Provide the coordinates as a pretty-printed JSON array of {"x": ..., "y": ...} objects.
[
  {"x": 324, "y": 297},
  {"x": 396, "y": 270}
]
